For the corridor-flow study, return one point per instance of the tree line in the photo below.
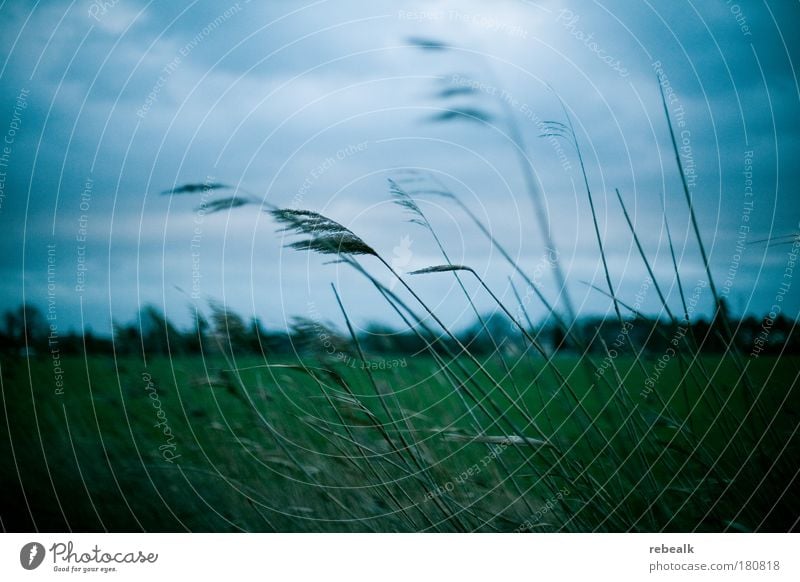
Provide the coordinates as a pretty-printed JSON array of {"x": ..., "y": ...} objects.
[{"x": 25, "y": 331}]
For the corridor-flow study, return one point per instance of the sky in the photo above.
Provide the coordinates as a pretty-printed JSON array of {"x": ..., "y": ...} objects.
[{"x": 316, "y": 105}]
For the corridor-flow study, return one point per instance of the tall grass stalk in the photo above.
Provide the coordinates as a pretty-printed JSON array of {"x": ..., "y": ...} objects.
[
  {"x": 631, "y": 464},
  {"x": 751, "y": 400}
]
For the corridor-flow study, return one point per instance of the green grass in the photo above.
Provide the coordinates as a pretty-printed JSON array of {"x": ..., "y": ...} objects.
[
  {"x": 529, "y": 441},
  {"x": 261, "y": 454}
]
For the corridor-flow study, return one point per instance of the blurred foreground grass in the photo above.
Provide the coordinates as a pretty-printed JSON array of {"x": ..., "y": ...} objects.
[{"x": 270, "y": 453}]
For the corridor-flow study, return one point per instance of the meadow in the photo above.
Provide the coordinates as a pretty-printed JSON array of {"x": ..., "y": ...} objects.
[
  {"x": 563, "y": 428},
  {"x": 188, "y": 444}
]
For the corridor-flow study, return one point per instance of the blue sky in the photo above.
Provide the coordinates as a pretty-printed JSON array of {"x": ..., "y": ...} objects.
[{"x": 317, "y": 104}]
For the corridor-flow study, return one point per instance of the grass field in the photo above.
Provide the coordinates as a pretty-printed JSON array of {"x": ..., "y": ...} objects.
[
  {"x": 187, "y": 444},
  {"x": 667, "y": 438}
]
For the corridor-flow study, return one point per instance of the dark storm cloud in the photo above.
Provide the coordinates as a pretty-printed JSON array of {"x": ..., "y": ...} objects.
[{"x": 140, "y": 98}]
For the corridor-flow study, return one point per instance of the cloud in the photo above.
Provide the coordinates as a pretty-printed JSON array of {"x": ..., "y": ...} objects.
[{"x": 263, "y": 95}]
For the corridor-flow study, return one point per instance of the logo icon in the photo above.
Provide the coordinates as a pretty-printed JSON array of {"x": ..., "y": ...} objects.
[
  {"x": 31, "y": 555},
  {"x": 401, "y": 259}
]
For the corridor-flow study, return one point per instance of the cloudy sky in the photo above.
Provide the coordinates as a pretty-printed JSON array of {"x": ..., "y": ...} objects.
[{"x": 317, "y": 104}]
